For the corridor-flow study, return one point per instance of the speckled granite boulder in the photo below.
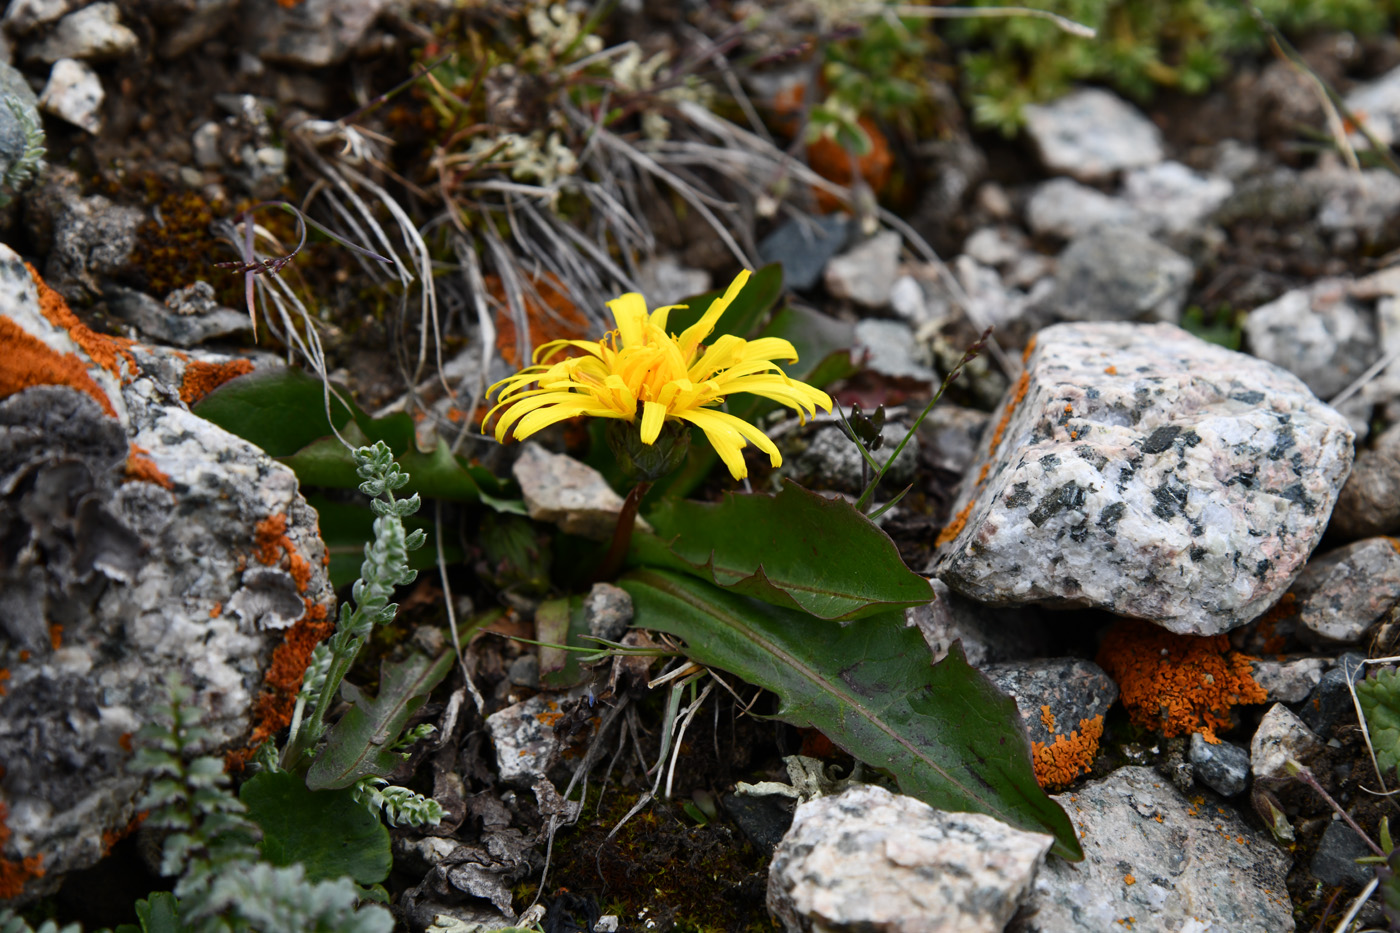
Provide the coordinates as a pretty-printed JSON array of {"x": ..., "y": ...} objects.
[
  {"x": 1154, "y": 861},
  {"x": 1142, "y": 470},
  {"x": 136, "y": 540},
  {"x": 871, "y": 861}
]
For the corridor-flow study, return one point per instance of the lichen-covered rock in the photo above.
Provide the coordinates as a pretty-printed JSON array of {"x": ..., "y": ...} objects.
[
  {"x": 1142, "y": 470},
  {"x": 1062, "y": 702},
  {"x": 871, "y": 861},
  {"x": 1155, "y": 857},
  {"x": 130, "y": 526}
]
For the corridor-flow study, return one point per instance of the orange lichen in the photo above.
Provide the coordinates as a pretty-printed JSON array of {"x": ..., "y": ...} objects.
[
  {"x": 1129, "y": 879},
  {"x": 124, "y": 740},
  {"x": 31, "y": 362},
  {"x": 216, "y": 611},
  {"x": 56, "y": 636},
  {"x": 1061, "y": 762},
  {"x": 955, "y": 527},
  {"x": 104, "y": 349},
  {"x": 557, "y": 318},
  {"x": 1018, "y": 395},
  {"x": 4, "y": 676},
  {"x": 24, "y": 654},
  {"x": 1111, "y": 371},
  {"x": 1177, "y": 684},
  {"x": 1026, "y": 353},
  {"x": 140, "y": 468},
  {"x": 272, "y": 711},
  {"x": 268, "y": 537},
  {"x": 14, "y": 875},
  {"x": 202, "y": 378},
  {"x": 1047, "y": 719},
  {"x": 110, "y": 837}
]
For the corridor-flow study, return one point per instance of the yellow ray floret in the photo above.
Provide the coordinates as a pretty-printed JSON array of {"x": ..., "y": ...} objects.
[{"x": 640, "y": 370}]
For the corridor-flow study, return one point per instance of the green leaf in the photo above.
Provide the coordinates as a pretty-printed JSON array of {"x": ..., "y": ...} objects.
[
  {"x": 328, "y": 831},
  {"x": 438, "y": 475},
  {"x": 346, "y": 526},
  {"x": 359, "y": 745},
  {"x": 561, "y": 622},
  {"x": 948, "y": 736},
  {"x": 157, "y": 914},
  {"x": 1380, "y": 704},
  {"x": 796, "y": 549},
  {"x": 279, "y": 410},
  {"x": 744, "y": 312}
]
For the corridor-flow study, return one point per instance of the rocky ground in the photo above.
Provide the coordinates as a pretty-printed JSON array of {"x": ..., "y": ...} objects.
[{"x": 1155, "y": 512}]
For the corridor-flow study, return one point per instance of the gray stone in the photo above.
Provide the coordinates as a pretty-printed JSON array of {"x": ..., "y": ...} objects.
[
  {"x": 1357, "y": 208},
  {"x": 139, "y": 574},
  {"x": 1119, "y": 274},
  {"x": 311, "y": 34},
  {"x": 803, "y": 246},
  {"x": 988, "y": 298},
  {"x": 74, "y": 92},
  {"x": 1334, "y": 862},
  {"x": 1379, "y": 101},
  {"x": 1091, "y": 134},
  {"x": 202, "y": 20},
  {"x": 205, "y": 142},
  {"x": 523, "y": 736},
  {"x": 1151, "y": 855},
  {"x": 87, "y": 239},
  {"x": 1142, "y": 470},
  {"x": 1282, "y": 738},
  {"x": 949, "y": 436},
  {"x": 834, "y": 459},
  {"x": 865, "y": 273},
  {"x": 1172, "y": 197},
  {"x": 1370, "y": 500},
  {"x": 1342, "y": 593},
  {"x": 1276, "y": 197},
  {"x": 917, "y": 303},
  {"x": 170, "y": 326},
  {"x": 890, "y": 349},
  {"x": 1317, "y": 333},
  {"x": 987, "y": 635},
  {"x": 1330, "y": 706},
  {"x": 1064, "y": 208},
  {"x": 93, "y": 33},
  {"x": 868, "y": 860},
  {"x": 1054, "y": 695},
  {"x": 608, "y": 611},
  {"x": 665, "y": 281},
  {"x": 1288, "y": 681},
  {"x": 23, "y": 16},
  {"x": 1222, "y": 767},
  {"x": 996, "y": 246},
  {"x": 559, "y": 489}
]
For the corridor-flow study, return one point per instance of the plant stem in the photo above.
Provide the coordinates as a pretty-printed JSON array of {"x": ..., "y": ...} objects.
[{"x": 622, "y": 534}]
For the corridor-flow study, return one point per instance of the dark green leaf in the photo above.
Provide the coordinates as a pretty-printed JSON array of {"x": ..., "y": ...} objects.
[
  {"x": 796, "y": 549},
  {"x": 1380, "y": 703},
  {"x": 742, "y": 315},
  {"x": 360, "y": 744},
  {"x": 158, "y": 914},
  {"x": 347, "y": 526},
  {"x": 328, "y": 831},
  {"x": 943, "y": 730},
  {"x": 279, "y": 410}
]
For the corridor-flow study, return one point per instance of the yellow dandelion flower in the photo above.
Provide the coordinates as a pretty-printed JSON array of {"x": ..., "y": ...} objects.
[{"x": 639, "y": 371}]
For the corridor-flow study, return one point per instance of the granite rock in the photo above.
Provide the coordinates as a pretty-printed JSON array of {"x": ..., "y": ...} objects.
[
  {"x": 608, "y": 611},
  {"x": 1355, "y": 208},
  {"x": 93, "y": 33},
  {"x": 865, "y": 273},
  {"x": 1053, "y": 695},
  {"x": 1119, "y": 274},
  {"x": 1288, "y": 681},
  {"x": 665, "y": 281},
  {"x": 523, "y": 736},
  {"x": 1151, "y": 855},
  {"x": 1370, "y": 500},
  {"x": 74, "y": 92},
  {"x": 1064, "y": 208},
  {"x": 559, "y": 489},
  {"x": 1172, "y": 198},
  {"x": 871, "y": 861},
  {"x": 1342, "y": 593},
  {"x": 87, "y": 239},
  {"x": 117, "y": 576},
  {"x": 1223, "y": 766},
  {"x": 1142, "y": 470},
  {"x": 23, "y": 16},
  {"x": 1282, "y": 738},
  {"x": 1092, "y": 134},
  {"x": 1317, "y": 333}
]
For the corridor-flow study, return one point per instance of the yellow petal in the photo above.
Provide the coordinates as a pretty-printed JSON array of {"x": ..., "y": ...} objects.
[
  {"x": 523, "y": 405},
  {"x": 653, "y": 415},
  {"x": 630, "y": 312},
  {"x": 695, "y": 334},
  {"x": 727, "y": 433},
  {"x": 562, "y": 411},
  {"x": 660, "y": 316}
]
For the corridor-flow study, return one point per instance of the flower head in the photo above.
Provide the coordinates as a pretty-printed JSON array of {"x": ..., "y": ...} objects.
[{"x": 641, "y": 374}]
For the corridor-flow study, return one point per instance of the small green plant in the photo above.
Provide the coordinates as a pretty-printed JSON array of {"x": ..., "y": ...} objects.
[{"x": 30, "y": 161}]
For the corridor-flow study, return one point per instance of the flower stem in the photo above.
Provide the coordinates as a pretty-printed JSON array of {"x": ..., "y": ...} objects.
[{"x": 622, "y": 534}]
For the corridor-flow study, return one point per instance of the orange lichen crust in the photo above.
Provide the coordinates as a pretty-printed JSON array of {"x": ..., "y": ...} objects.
[
  {"x": 30, "y": 362},
  {"x": 272, "y": 711},
  {"x": 104, "y": 349},
  {"x": 270, "y": 542},
  {"x": 140, "y": 468},
  {"x": 556, "y": 319},
  {"x": 202, "y": 378},
  {"x": 1177, "y": 684},
  {"x": 1057, "y": 764},
  {"x": 14, "y": 875},
  {"x": 110, "y": 837},
  {"x": 1018, "y": 395}
]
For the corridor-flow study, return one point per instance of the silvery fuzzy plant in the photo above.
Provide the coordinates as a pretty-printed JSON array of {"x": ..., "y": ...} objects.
[{"x": 385, "y": 567}]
